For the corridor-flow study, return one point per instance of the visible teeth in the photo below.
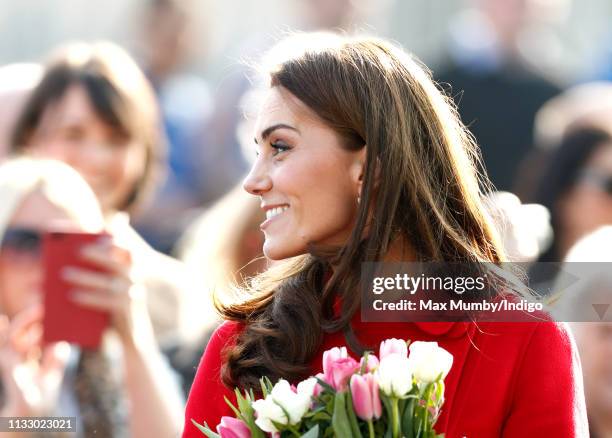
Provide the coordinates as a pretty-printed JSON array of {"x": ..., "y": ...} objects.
[{"x": 274, "y": 211}]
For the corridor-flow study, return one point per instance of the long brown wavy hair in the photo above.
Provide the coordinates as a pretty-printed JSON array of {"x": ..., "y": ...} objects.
[{"x": 421, "y": 184}]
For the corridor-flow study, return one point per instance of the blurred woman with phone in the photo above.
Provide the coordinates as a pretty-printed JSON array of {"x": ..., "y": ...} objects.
[
  {"x": 95, "y": 110},
  {"x": 39, "y": 378}
]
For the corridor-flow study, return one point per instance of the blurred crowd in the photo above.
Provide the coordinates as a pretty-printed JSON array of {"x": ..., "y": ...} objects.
[{"x": 138, "y": 145}]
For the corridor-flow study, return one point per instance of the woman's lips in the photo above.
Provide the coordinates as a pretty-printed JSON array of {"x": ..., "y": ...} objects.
[{"x": 272, "y": 214}]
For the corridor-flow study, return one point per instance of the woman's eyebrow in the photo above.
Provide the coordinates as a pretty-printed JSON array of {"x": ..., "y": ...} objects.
[{"x": 266, "y": 132}]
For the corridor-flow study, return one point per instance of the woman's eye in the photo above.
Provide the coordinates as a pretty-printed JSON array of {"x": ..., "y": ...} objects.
[{"x": 279, "y": 147}]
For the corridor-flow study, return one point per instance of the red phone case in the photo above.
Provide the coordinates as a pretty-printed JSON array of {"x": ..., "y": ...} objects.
[{"x": 64, "y": 319}]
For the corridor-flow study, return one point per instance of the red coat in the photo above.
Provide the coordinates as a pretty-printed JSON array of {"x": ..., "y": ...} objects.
[{"x": 507, "y": 379}]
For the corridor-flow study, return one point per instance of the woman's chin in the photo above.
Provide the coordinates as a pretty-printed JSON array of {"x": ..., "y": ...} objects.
[{"x": 280, "y": 250}]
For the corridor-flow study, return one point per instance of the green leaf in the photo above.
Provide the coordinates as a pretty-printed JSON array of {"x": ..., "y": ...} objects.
[
  {"x": 387, "y": 403},
  {"x": 340, "y": 421},
  {"x": 229, "y": 403},
  {"x": 389, "y": 433},
  {"x": 439, "y": 391},
  {"x": 407, "y": 419},
  {"x": 278, "y": 426},
  {"x": 325, "y": 385},
  {"x": 205, "y": 430},
  {"x": 244, "y": 404},
  {"x": 321, "y": 416},
  {"x": 418, "y": 418},
  {"x": 312, "y": 433},
  {"x": 247, "y": 413},
  {"x": 266, "y": 386},
  {"x": 350, "y": 411}
]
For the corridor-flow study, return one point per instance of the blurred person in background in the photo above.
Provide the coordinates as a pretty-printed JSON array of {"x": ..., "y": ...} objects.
[
  {"x": 95, "y": 110},
  {"x": 594, "y": 339},
  {"x": 16, "y": 82},
  {"x": 576, "y": 187},
  {"x": 223, "y": 249},
  {"x": 167, "y": 40},
  {"x": 494, "y": 79},
  {"x": 583, "y": 106},
  {"x": 334, "y": 15},
  {"x": 140, "y": 398}
]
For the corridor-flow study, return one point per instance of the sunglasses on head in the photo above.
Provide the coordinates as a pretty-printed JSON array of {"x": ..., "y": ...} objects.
[
  {"x": 24, "y": 240},
  {"x": 598, "y": 179}
]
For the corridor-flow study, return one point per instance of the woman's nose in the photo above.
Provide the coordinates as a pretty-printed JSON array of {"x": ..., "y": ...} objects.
[{"x": 257, "y": 181}]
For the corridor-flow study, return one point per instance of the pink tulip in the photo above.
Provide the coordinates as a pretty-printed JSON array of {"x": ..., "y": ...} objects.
[
  {"x": 366, "y": 399},
  {"x": 329, "y": 357},
  {"x": 341, "y": 372},
  {"x": 372, "y": 363},
  {"x": 393, "y": 346},
  {"x": 233, "y": 428},
  {"x": 338, "y": 368}
]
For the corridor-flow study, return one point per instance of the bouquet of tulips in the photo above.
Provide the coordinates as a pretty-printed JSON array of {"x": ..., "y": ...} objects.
[{"x": 393, "y": 395}]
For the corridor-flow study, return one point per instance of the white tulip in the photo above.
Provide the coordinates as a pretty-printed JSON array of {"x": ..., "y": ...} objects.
[
  {"x": 307, "y": 387},
  {"x": 267, "y": 411},
  {"x": 394, "y": 375},
  {"x": 283, "y": 400},
  {"x": 428, "y": 361}
]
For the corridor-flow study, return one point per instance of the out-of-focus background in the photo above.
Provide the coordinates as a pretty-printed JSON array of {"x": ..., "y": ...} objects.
[
  {"x": 517, "y": 53},
  {"x": 571, "y": 34}
]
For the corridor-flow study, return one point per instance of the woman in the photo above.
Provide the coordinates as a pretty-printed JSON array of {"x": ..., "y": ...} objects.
[
  {"x": 95, "y": 110},
  {"x": 578, "y": 179},
  {"x": 40, "y": 196},
  {"x": 361, "y": 158}
]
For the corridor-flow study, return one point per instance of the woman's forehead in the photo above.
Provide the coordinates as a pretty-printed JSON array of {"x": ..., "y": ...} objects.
[{"x": 279, "y": 106}]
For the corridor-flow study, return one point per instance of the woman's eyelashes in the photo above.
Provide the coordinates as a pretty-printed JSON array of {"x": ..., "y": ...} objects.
[
  {"x": 279, "y": 147},
  {"x": 276, "y": 148}
]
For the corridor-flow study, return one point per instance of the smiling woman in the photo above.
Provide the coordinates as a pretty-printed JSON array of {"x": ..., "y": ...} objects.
[
  {"x": 95, "y": 110},
  {"x": 360, "y": 158}
]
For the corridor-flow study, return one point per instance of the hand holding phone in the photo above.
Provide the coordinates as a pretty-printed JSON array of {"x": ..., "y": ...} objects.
[{"x": 64, "y": 319}]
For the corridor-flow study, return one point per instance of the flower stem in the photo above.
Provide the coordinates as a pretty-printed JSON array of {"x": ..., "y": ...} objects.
[
  {"x": 395, "y": 416},
  {"x": 371, "y": 428},
  {"x": 426, "y": 424},
  {"x": 294, "y": 431}
]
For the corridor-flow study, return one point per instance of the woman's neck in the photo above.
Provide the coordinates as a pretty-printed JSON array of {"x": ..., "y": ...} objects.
[{"x": 400, "y": 250}]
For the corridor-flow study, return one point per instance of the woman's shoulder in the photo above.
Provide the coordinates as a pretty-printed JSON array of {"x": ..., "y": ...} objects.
[
  {"x": 206, "y": 401},
  {"x": 228, "y": 329},
  {"x": 555, "y": 336},
  {"x": 524, "y": 370},
  {"x": 224, "y": 335},
  {"x": 548, "y": 378}
]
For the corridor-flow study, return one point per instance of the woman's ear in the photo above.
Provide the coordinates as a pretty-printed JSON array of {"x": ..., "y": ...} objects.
[{"x": 358, "y": 170}]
